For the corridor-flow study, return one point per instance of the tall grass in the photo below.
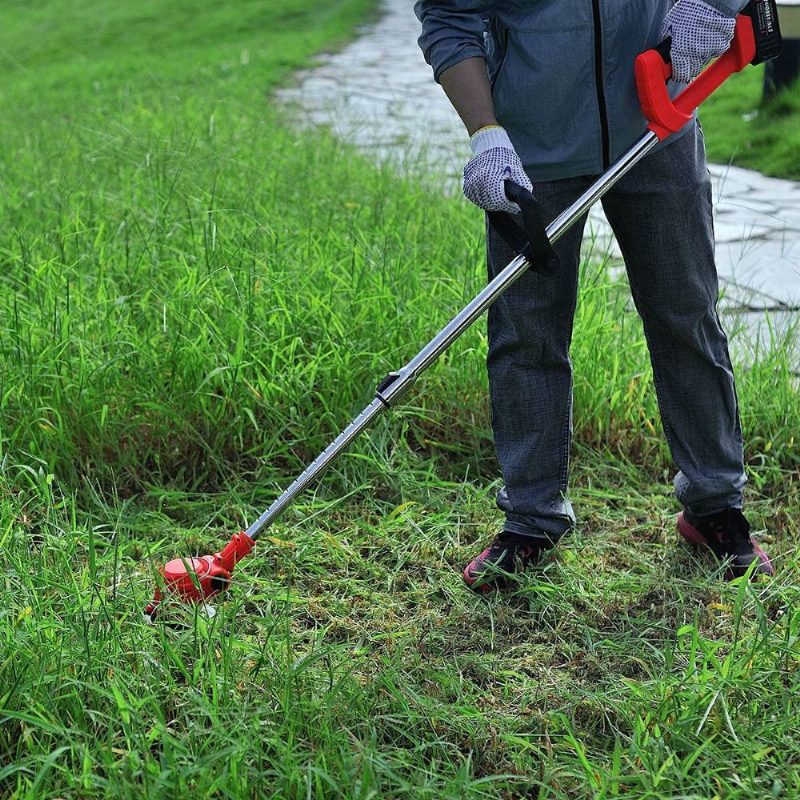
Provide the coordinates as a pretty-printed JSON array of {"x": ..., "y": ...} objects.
[
  {"x": 193, "y": 331},
  {"x": 194, "y": 300}
]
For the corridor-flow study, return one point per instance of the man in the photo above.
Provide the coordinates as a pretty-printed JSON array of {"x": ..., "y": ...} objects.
[{"x": 546, "y": 91}]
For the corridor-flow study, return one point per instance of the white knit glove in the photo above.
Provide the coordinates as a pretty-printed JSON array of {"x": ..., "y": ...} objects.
[
  {"x": 699, "y": 33},
  {"x": 493, "y": 161}
]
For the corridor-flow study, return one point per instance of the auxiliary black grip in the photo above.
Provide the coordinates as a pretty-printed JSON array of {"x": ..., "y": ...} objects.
[
  {"x": 537, "y": 249},
  {"x": 664, "y": 49}
]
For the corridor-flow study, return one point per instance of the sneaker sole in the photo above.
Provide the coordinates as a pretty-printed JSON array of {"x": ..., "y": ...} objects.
[{"x": 693, "y": 536}]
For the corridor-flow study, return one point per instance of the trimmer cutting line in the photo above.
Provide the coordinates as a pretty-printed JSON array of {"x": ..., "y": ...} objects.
[{"x": 756, "y": 39}]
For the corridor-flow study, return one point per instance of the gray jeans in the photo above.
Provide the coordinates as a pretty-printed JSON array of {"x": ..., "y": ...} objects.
[{"x": 661, "y": 215}]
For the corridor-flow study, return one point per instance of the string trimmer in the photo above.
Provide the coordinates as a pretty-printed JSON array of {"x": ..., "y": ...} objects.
[{"x": 756, "y": 39}]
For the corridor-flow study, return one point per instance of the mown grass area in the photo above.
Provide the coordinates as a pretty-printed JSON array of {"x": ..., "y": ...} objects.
[
  {"x": 743, "y": 130},
  {"x": 194, "y": 300}
]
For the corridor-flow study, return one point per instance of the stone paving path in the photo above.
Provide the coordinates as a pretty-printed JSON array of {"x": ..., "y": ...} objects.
[{"x": 379, "y": 94}]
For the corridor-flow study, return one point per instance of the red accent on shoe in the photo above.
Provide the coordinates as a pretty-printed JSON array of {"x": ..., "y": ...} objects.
[
  {"x": 486, "y": 572},
  {"x": 696, "y": 537},
  {"x": 471, "y": 574}
]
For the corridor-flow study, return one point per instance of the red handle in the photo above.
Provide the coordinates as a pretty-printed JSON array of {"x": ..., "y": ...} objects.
[{"x": 666, "y": 116}]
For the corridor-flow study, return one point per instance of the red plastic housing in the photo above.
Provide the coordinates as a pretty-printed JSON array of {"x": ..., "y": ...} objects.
[
  {"x": 667, "y": 116},
  {"x": 195, "y": 579}
]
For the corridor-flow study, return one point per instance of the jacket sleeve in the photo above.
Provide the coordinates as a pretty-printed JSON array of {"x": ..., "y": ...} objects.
[
  {"x": 730, "y": 8},
  {"x": 452, "y": 30}
]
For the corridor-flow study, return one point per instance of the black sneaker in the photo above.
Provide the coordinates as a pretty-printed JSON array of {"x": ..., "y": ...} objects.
[
  {"x": 727, "y": 535},
  {"x": 508, "y": 553}
]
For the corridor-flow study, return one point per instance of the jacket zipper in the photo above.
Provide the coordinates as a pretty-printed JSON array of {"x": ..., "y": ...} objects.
[{"x": 598, "y": 82}]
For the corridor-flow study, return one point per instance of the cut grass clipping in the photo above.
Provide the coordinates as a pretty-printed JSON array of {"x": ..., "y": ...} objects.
[{"x": 195, "y": 299}]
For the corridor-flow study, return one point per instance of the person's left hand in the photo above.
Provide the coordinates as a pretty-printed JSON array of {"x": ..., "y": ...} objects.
[{"x": 699, "y": 33}]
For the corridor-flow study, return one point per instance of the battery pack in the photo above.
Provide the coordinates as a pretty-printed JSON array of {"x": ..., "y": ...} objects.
[{"x": 766, "y": 28}]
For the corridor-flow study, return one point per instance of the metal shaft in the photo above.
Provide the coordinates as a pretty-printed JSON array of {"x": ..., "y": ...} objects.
[
  {"x": 398, "y": 383},
  {"x": 318, "y": 466}
]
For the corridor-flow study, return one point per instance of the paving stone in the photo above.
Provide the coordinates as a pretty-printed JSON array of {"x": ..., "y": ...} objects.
[{"x": 752, "y": 334}]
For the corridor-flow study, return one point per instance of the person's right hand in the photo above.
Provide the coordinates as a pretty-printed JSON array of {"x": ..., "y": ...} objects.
[
  {"x": 493, "y": 161},
  {"x": 699, "y": 33}
]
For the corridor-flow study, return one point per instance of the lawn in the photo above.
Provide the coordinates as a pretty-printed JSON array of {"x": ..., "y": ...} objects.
[
  {"x": 195, "y": 300},
  {"x": 742, "y": 130}
]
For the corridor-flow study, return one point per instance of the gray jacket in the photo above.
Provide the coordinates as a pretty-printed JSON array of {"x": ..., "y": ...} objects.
[{"x": 561, "y": 71}]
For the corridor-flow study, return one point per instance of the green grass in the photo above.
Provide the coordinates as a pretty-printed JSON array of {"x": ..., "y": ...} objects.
[
  {"x": 194, "y": 300},
  {"x": 742, "y": 130}
]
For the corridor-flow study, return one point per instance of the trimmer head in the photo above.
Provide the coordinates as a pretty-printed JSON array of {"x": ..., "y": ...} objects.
[{"x": 196, "y": 579}]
